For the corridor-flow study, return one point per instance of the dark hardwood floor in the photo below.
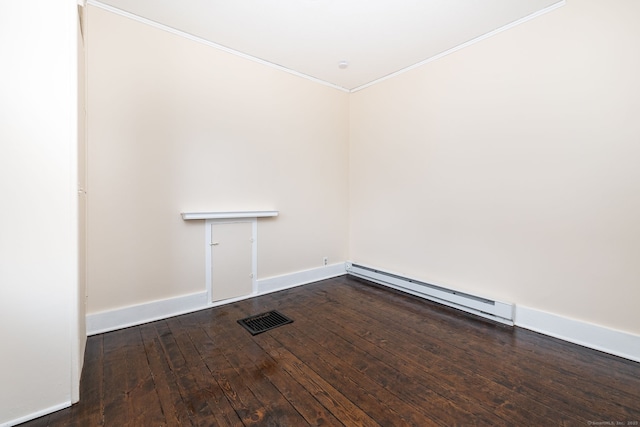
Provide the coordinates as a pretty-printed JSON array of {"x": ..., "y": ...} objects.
[{"x": 356, "y": 355}]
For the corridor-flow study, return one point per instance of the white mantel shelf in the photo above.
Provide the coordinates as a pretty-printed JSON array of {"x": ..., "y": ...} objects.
[{"x": 228, "y": 215}]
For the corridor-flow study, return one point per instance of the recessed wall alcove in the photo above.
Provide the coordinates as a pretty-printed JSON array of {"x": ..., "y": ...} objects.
[{"x": 231, "y": 252}]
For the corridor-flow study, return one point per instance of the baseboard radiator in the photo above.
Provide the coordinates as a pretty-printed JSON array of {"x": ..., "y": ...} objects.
[{"x": 489, "y": 309}]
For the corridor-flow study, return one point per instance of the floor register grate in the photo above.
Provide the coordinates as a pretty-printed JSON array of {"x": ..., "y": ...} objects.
[{"x": 264, "y": 322}]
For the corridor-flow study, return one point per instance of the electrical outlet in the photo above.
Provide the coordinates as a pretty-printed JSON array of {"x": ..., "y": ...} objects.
[{"x": 325, "y": 261}]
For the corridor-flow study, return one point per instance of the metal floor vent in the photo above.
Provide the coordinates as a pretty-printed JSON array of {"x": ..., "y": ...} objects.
[{"x": 264, "y": 322}]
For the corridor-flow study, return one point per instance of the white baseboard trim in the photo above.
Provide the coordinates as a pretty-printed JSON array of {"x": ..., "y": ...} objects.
[
  {"x": 279, "y": 283},
  {"x": 618, "y": 343},
  {"x": 120, "y": 318},
  {"x": 133, "y": 315},
  {"x": 612, "y": 341},
  {"x": 607, "y": 340},
  {"x": 35, "y": 415}
]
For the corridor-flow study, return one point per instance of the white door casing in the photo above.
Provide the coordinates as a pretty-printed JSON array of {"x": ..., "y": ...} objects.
[{"x": 231, "y": 258}]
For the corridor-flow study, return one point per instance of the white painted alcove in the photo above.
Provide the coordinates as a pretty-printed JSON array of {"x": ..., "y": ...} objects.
[{"x": 214, "y": 218}]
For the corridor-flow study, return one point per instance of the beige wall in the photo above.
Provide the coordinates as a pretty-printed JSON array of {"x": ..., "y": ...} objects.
[
  {"x": 82, "y": 185},
  {"x": 178, "y": 126},
  {"x": 38, "y": 215},
  {"x": 510, "y": 168},
  {"x": 506, "y": 169}
]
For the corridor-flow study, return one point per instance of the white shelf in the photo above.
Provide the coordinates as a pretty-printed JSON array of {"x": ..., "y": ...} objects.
[{"x": 228, "y": 215}]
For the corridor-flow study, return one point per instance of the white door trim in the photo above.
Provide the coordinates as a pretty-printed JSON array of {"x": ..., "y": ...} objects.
[{"x": 254, "y": 252}]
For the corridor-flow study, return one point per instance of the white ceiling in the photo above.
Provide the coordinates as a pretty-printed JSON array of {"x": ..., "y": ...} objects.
[{"x": 311, "y": 37}]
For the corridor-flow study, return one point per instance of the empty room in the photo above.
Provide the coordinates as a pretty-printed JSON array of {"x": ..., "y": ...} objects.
[{"x": 320, "y": 212}]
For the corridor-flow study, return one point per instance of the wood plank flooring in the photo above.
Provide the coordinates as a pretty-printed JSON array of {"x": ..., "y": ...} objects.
[{"x": 356, "y": 355}]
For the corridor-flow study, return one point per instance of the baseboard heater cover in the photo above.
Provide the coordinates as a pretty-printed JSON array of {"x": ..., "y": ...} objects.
[{"x": 489, "y": 309}]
